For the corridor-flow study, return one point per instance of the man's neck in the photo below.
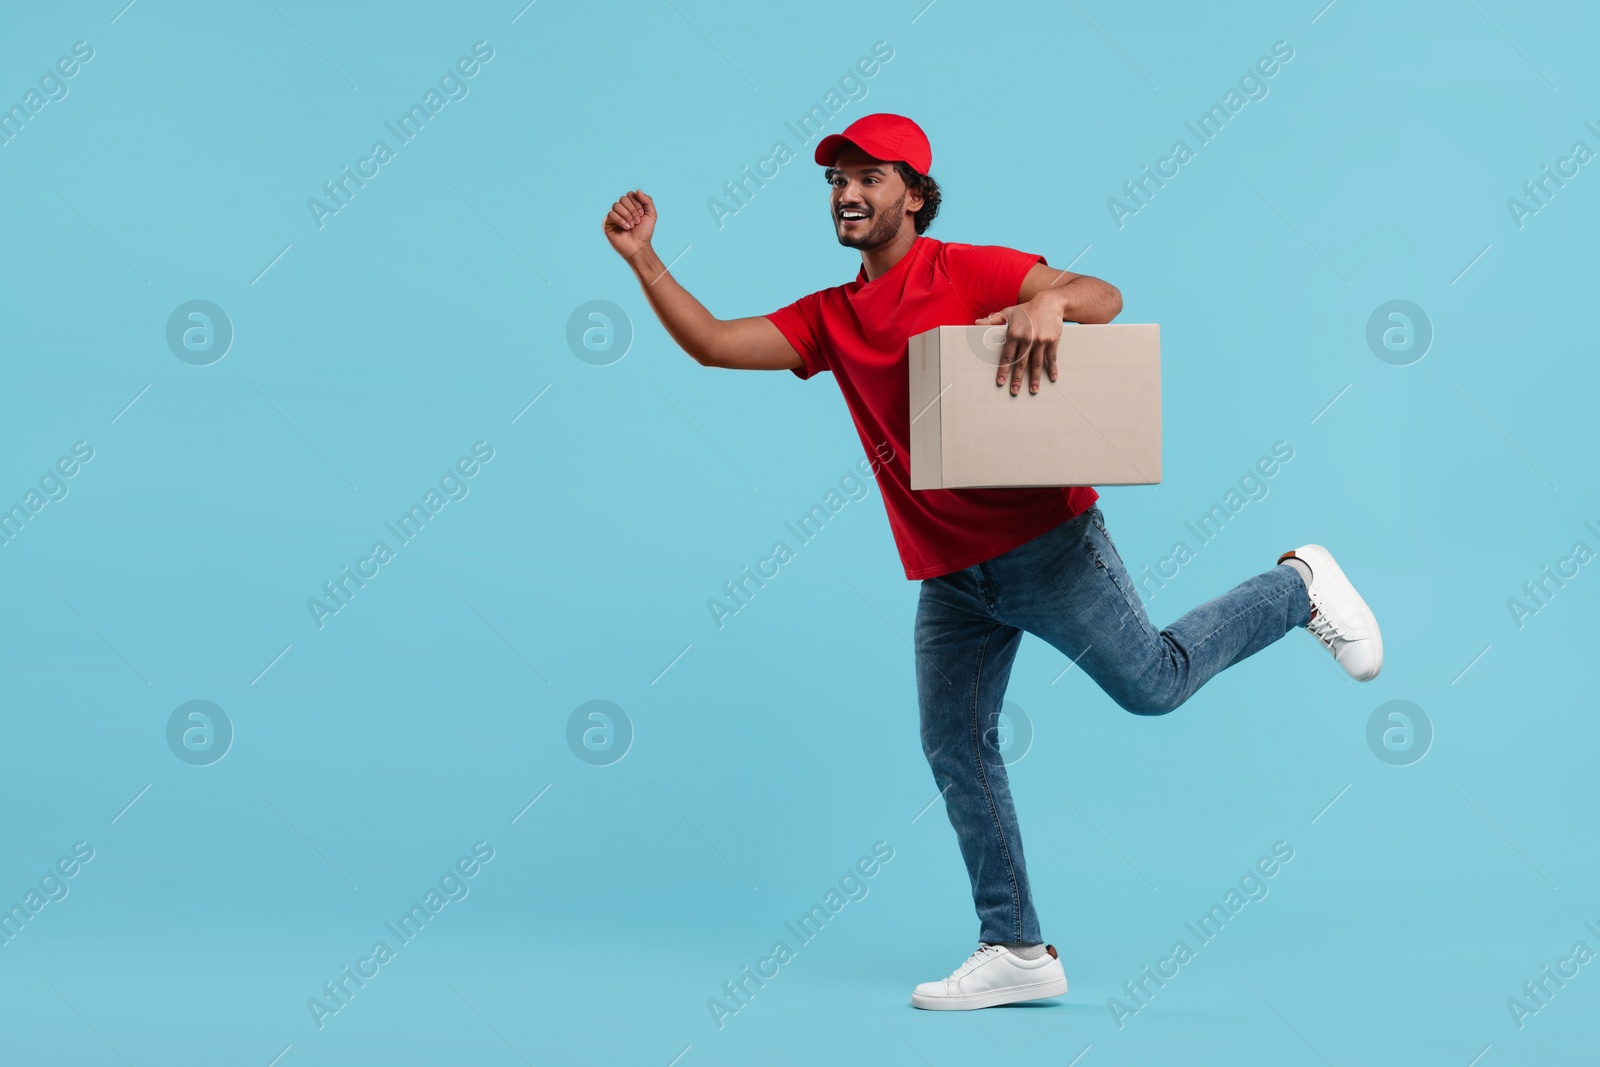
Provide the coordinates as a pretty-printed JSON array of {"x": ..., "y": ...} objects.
[{"x": 879, "y": 261}]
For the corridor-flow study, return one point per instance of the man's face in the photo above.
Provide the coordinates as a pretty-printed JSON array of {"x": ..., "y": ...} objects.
[{"x": 870, "y": 203}]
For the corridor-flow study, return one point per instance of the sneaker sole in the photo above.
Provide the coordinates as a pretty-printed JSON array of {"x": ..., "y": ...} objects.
[
  {"x": 1011, "y": 995},
  {"x": 1318, "y": 557}
]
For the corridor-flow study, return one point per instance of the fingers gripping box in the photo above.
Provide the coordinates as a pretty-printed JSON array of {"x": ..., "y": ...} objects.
[{"x": 1099, "y": 423}]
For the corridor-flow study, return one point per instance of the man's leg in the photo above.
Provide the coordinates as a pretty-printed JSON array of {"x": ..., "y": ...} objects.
[
  {"x": 1070, "y": 587},
  {"x": 964, "y": 656}
]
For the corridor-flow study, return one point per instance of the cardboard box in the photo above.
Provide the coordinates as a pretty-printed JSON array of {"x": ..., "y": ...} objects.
[{"x": 1099, "y": 423}]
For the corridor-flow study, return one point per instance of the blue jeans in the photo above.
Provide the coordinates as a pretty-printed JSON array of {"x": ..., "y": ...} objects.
[{"x": 1069, "y": 587}]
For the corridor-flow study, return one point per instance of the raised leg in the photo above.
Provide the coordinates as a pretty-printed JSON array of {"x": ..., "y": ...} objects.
[{"x": 1071, "y": 589}]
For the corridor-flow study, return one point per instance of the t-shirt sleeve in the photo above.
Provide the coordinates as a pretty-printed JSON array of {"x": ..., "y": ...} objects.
[
  {"x": 988, "y": 277},
  {"x": 801, "y": 326}
]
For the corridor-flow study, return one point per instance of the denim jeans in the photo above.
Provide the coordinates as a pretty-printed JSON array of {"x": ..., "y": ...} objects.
[{"x": 1069, "y": 587}]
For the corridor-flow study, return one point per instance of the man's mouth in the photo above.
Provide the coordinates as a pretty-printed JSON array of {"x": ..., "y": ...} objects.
[{"x": 851, "y": 214}]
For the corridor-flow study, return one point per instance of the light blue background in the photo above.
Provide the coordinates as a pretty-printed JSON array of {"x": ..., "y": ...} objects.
[{"x": 773, "y": 753}]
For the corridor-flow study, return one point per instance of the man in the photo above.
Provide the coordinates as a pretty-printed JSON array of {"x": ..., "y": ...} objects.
[{"x": 994, "y": 562}]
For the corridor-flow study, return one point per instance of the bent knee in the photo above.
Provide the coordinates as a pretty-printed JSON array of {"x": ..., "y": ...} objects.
[{"x": 1142, "y": 703}]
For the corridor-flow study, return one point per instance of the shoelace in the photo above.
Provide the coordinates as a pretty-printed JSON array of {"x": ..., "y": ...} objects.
[
  {"x": 1324, "y": 628},
  {"x": 975, "y": 959}
]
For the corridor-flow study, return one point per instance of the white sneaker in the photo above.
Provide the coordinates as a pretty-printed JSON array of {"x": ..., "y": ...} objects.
[
  {"x": 994, "y": 975},
  {"x": 1341, "y": 620}
]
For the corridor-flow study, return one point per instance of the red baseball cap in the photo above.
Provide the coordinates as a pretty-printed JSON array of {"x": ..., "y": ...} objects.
[{"x": 883, "y": 136}]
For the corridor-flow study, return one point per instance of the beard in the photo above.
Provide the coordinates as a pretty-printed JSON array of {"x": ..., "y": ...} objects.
[{"x": 881, "y": 229}]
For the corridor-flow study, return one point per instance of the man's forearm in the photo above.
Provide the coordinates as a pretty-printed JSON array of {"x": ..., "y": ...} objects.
[
  {"x": 1083, "y": 300},
  {"x": 686, "y": 320}
]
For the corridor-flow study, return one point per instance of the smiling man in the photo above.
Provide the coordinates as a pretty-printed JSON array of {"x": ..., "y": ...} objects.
[{"x": 994, "y": 563}]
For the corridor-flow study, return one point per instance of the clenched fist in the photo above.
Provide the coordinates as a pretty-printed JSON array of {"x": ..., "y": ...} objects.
[{"x": 630, "y": 223}]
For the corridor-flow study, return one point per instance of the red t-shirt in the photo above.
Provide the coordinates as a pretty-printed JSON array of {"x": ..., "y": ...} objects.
[{"x": 859, "y": 332}]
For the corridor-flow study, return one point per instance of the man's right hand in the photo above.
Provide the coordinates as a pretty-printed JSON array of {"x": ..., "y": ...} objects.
[
  {"x": 740, "y": 344},
  {"x": 630, "y": 223}
]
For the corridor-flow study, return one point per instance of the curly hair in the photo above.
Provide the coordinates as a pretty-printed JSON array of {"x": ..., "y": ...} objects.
[{"x": 924, "y": 184}]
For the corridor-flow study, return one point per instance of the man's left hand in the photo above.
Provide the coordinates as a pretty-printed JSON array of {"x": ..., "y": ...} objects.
[{"x": 1033, "y": 330}]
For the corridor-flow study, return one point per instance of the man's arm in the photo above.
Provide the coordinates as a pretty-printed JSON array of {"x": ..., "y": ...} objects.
[
  {"x": 741, "y": 344},
  {"x": 1078, "y": 297},
  {"x": 1048, "y": 298}
]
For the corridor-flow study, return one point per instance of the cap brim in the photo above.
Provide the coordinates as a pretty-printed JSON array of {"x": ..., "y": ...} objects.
[{"x": 828, "y": 148}]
